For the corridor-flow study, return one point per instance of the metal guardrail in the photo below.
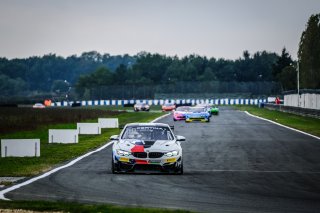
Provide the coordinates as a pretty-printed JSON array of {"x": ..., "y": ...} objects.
[{"x": 295, "y": 110}]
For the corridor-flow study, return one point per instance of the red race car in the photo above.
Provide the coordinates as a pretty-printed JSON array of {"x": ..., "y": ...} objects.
[{"x": 168, "y": 107}]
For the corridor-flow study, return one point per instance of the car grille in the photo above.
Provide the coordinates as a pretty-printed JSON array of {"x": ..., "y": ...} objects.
[
  {"x": 155, "y": 154},
  {"x": 145, "y": 155},
  {"x": 140, "y": 154}
]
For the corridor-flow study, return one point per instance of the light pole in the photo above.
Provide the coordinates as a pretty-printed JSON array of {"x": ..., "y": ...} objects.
[
  {"x": 298, "y": 82},
  {"x": 298, "y": 79}
]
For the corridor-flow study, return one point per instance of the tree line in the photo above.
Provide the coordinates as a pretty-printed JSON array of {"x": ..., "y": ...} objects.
[
  {"x": 51, "y": 74},
  {"x": 155, "y": 69}
]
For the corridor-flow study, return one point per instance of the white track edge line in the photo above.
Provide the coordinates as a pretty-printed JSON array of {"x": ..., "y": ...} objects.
[
  {"x": 2, "y": 197},
  {"x": 305, "y": 133},
  {"x": 159, "y": 118}
]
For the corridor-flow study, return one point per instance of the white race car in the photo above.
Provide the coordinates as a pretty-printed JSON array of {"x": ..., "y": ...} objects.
[
  {"x": 141, "y": 107},
  {"x": 148, "y": 148}
]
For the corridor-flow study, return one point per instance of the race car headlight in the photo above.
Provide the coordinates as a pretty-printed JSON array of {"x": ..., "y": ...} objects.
[
  {"x": 123, "y": 153},
  {"x": 172, "y": 153}
]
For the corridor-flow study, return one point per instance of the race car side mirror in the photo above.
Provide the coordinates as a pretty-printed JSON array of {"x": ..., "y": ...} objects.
[
  {"x": 114, "y": 137},
  {"x": 180, "y": 138}
]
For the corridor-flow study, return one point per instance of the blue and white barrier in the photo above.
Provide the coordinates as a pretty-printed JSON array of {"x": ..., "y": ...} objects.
[{"x": 221, "y": 101}]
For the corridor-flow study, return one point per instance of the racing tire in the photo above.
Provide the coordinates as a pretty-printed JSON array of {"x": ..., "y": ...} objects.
[
  {"x": 114, "y": 168},
  {"x": 180, "y": 170}
]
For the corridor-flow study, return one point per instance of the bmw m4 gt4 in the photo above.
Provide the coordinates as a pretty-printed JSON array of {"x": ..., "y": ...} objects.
[{"x": 147, "y": 148}]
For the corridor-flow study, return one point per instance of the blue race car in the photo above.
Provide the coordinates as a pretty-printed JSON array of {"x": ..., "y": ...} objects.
[{"x": 198, "y": 114}]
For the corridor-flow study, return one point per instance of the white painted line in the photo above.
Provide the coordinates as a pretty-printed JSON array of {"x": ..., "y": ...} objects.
[
  {"x": 2, "y": 197},
  {"x": 155, "y": 120},
  {"x": 282, "y": 125}
]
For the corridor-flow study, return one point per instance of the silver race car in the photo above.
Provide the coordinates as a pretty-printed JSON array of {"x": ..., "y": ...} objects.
[{"x": 148, "y": 148}]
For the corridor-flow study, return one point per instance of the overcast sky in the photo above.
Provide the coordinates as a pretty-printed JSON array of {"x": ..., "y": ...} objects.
[{"x": 212, "y": 28}]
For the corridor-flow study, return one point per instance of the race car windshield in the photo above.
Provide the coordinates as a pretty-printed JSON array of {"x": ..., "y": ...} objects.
[
  {"x": 183, "y": 109},
  {"x": 197, "y": 109},
  {"x": 148, "y": 133},
  {"x": 168, "y": 104}
]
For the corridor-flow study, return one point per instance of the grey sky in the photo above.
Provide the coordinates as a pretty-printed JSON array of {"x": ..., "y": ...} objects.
[{"x": 209, "y": 28}]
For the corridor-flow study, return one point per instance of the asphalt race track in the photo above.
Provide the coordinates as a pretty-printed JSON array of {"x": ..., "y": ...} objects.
[{"x": 235, "y": 163}]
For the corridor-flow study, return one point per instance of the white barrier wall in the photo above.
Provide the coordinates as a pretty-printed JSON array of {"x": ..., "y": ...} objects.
[
  {"x": 63, "y": 136},
  {"x": 310, "y": 101},
  {"x": 20, "y": 148},
  {"x": 108, "y": 122},
  {"x": 88, "y": 128}
]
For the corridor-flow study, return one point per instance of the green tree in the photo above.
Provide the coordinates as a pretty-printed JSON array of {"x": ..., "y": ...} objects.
[
  {"x": 10, "y": 86},
  {"x": 283, "y": 61},
  {"x": 60, "y": 86},
  {"x": 309, "y": 54},
  {"x": 121, "y": 74},
  {"x": 288, "y": 78}
]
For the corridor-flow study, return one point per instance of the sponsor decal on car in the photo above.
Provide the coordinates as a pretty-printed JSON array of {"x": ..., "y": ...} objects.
[
  {"x": 171, "y": 160},
  {"x": 122, "y": 159}
]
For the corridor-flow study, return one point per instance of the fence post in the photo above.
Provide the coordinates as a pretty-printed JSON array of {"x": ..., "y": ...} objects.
[{"x": 35, "y": 149}]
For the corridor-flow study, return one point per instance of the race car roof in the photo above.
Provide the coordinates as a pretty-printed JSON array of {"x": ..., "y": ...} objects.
[{"x": 147, "y": 124}]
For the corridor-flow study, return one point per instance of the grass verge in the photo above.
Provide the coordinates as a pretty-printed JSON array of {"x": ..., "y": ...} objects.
[
  {"x": 77, "y": 208},
  {"x": 122, "y": 108},
  {"x": 53, "y": 154},
  {"x": 305, "y": 124}
]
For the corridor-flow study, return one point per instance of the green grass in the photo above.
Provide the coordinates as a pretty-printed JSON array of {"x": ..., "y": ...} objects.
[
  {"x": 121, "y": 108},
  {"x": 53, "y": 154},
  {"x": 78, "y": 208},
  {"x": 26, "y": 119},
  {"x": 306, "y": 124}
]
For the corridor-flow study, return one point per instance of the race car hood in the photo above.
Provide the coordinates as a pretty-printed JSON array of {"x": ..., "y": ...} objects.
[
  {"x": 197, "y": 114},
  {"x": 182, "y": 112},
  {"x": 134, "y": 145}
]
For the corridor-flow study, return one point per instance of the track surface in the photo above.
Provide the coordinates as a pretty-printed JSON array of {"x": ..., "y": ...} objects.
[{"x": 235, "y": 163}]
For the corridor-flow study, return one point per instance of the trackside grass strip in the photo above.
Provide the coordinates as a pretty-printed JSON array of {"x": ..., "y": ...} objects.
[
  {"x": 305, "y": 124},
  {"x": 78, "y": 208},
  {"x": 54, "y": 154}
]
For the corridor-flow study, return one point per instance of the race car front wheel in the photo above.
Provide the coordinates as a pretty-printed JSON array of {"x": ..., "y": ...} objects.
[
  {"x": 114, "y": 168},
  {"x": 179, "y": 171}
]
